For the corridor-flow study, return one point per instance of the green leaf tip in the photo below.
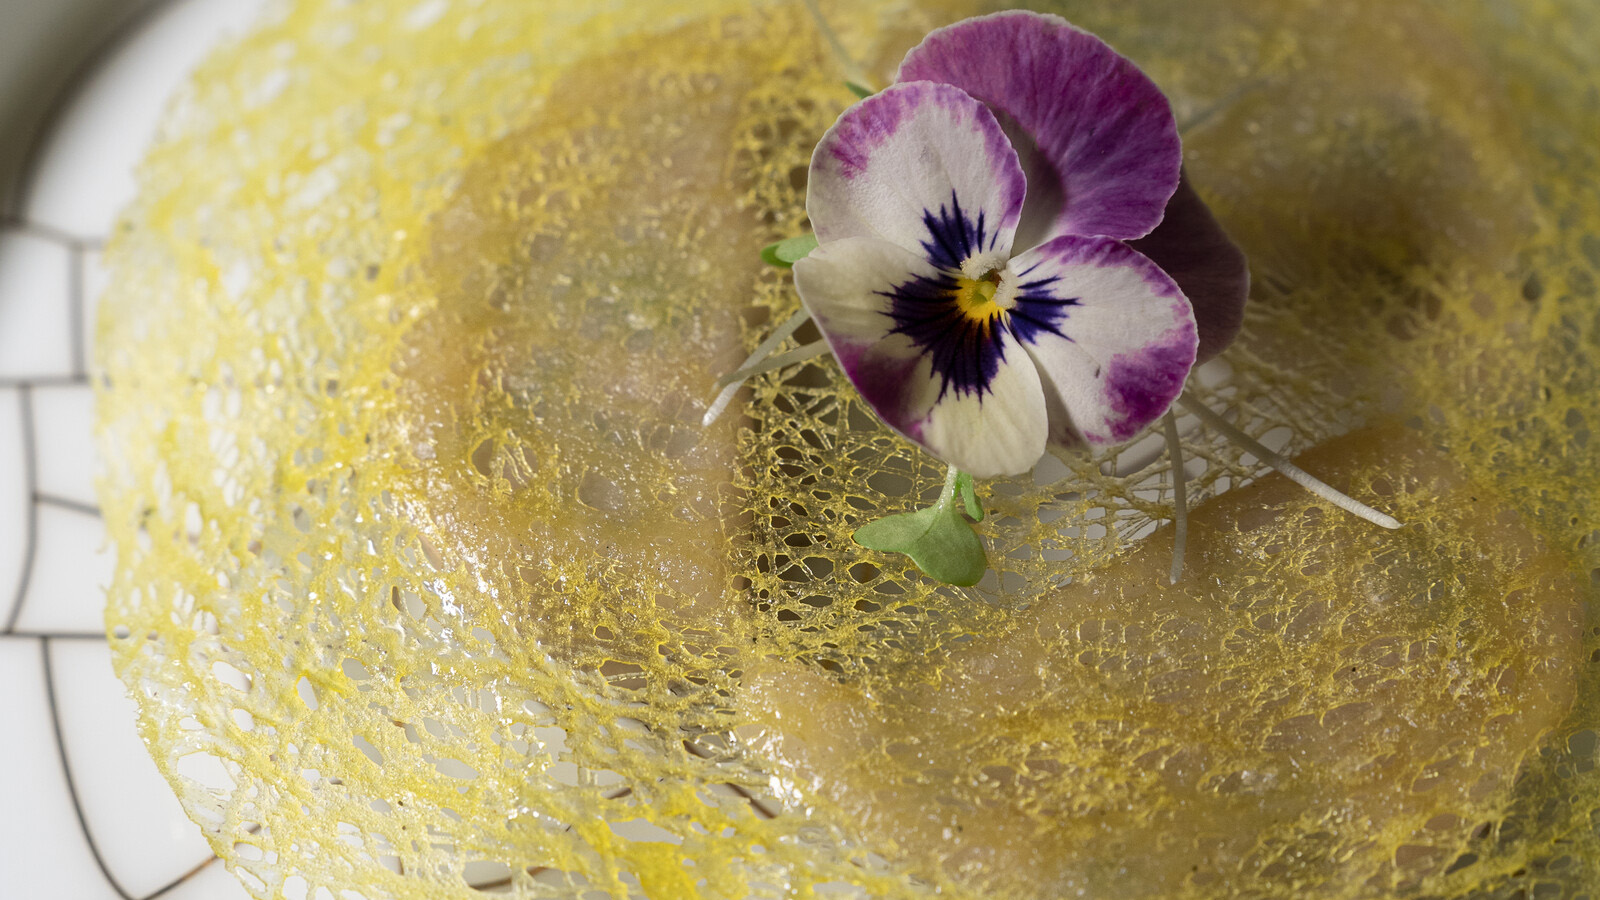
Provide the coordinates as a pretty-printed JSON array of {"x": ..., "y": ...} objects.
[
  {"x": 786, "y": 253},
  {"x": 860, "y": 90},
  {"x": 969, "y": 496},
  {"x": 939, "y": 539}
]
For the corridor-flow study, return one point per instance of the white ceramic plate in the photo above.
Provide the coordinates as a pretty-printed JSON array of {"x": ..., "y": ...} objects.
[{"x": 84, "y": 815}]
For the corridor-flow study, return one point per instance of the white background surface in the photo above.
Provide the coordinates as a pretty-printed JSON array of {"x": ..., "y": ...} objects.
[{"x": 84, "y": 815}]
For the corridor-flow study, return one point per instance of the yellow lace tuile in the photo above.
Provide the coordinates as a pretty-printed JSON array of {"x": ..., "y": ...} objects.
[{"x": 430, "y": 583}]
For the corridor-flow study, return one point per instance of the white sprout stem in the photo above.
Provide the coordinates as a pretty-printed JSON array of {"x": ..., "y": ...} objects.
[
  {"x": 1290, "y": 470},
  {"x": 952, "y": 478},
  {"x": 798, "y": 354},
  {"x": 730, "y": 382},
  {"x": 725, "y": 397},
  {"x": 789, "y": 326},
  {"x": 719, "y": 405},
  {"x": 852, "y": 71},
  {"x": 1180, "y": 497}
]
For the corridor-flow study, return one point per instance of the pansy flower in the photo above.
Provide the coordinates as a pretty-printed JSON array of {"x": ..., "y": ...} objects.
[
  {"x": 976, "y": 275},
  {"x": 1008, "y": 258}
]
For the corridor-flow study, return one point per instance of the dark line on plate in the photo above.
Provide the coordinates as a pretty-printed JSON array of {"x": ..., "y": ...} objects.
[
  {"x": 756, "y": 804},
  {"x": 200, "y": 867},
  {"x": 25, "y": 634},
  {"x": 45, "y": 381},
  {"x": 66, "y": 770},
  {"x": 48, "y": 233},
  {"x": 31, "y": 541},
  {"x": 77, "y": 506},
  {"x": 72, "y": 791}
]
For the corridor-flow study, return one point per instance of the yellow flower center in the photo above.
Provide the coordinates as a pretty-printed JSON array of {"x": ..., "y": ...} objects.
[
  {"x": 977, "y": 297},
  {"x": 988, "y": 295}
]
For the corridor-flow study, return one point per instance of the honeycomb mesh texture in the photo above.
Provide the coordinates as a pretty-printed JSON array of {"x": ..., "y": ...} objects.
[{"x": 430, "y": 584}]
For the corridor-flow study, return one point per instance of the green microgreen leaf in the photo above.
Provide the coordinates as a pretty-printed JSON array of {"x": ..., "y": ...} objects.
[
  {"x": 939, "y": 539},
  {"x": 786, "y": 253},
  {"x": 860, "y": 90},
  {"x": 969, "y": 496}
]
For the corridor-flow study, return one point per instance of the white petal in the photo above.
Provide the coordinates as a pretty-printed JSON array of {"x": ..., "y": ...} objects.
[
  {"x": 1113, "y": 336},
  {"x": 923, "y": 166},
  {"x": 1001, "y": 432}
]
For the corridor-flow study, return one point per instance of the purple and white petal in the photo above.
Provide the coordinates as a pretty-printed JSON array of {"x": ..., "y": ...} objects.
[
  {"x": 954, "y": 383},
  {"x": 922, "y": 166},
  {"x": 1113, "y": 336},
  {"x": 1210, "y": 269},
  {"x": 1096, "y": 136},
  {"x": 848, "y": 286}
]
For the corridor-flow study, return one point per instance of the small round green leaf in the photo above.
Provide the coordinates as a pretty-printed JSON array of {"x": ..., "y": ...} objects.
[{"x": 786, "y": 253}]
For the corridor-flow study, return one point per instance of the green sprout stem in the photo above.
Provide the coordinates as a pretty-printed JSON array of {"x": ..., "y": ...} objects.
[{"x": 1180, "y": 497}]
